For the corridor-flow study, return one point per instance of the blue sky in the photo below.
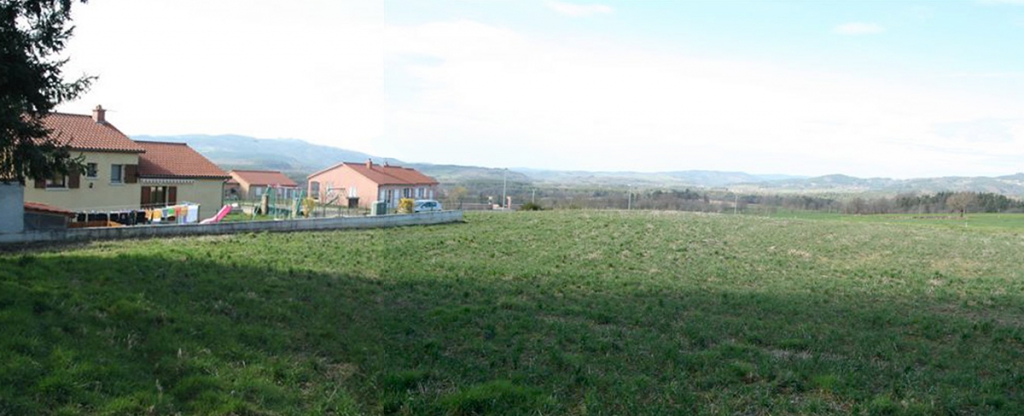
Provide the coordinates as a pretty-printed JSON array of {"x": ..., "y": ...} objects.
[
  {"x": 916, "y": 36},
  {"x": 867, "y": 88}
]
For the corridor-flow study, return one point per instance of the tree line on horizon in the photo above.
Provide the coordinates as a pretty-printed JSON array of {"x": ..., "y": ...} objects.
[{"x": 722, "y": 201}]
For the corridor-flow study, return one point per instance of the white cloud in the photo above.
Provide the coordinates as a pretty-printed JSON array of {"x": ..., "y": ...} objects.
[
  {"x": 491, "y": 96},
  {"x": 858, "y": 28},
  {"x": 310, "y": 70},
  {"x": 1001, "y": 1},
  {"x": 471, "y": 93},
  {"x": 578, "y": 10}
]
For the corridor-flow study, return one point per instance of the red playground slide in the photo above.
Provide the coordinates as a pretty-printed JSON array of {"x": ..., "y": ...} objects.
[{"x": 220, "y": 215}]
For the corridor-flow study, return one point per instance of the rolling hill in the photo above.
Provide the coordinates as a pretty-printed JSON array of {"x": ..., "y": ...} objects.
[
  {"x": 298, "y": 158},
  {"x": 1012, "y": 185},
  {"x": 294, "y": 157}
]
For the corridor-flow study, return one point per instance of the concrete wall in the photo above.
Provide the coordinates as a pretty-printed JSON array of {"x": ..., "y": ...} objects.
[
  {"x": 37, "y": 221},
  {"x": 93, "y": 194},
  {"x": 12, "y": 205},
  {"x": 157, "y": 231}
]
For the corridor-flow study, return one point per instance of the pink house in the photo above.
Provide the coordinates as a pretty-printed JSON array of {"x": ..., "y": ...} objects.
[{"x": 360, "y": 184}]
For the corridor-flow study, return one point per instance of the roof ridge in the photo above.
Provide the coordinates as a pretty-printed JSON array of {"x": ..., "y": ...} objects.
[
  {"x": 159, "y": 142},
  {"x": 81, "y": 132},
  {"x": 327, "y": 169},
  {"x": 384, "y": 172}
]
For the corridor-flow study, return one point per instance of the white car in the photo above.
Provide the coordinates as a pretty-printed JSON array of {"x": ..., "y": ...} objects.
[{"x": 425, "y": 205}]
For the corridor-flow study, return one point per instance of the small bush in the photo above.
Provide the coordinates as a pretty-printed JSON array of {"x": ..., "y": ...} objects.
[
  {"x": 530, "y": 206},
  {"x": 404, "y": 380},
  {"x": 495, "y": 397},
  {"x": 405, "y": 206},
  {"x": 308, "y": 206}
]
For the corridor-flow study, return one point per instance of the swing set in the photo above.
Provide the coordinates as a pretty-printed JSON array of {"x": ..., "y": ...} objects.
[{"x": 279, "y": 207}]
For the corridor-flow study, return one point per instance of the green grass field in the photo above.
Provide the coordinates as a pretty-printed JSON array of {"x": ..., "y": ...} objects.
[
  {"x": 563, "y": 312},
  {"x": 991, "y": 222}
]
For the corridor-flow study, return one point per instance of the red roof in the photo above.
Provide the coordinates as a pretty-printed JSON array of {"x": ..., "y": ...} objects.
[
  {"x": 263, "y": 178},
  {"x": 386, "y": 175},
  {"x": 81, "y": 132},
  {"x": 47, "y": 209},
  {"x": 176, "y": 160}
]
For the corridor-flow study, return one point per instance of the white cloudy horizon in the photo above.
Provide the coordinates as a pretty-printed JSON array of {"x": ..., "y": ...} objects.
[{"x": 589, "y": 91}]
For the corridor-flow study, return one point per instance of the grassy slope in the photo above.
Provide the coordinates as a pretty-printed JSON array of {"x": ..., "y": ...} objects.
[
  {"x": 973, "y": 222},
  {"x": 561, "y": 312}
]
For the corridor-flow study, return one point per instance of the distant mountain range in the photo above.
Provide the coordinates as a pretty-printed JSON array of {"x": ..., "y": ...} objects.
[
  {"x": 1012, "y": 185},
  {"x": 298, "y": 158},
  {"x": 703, "y": 178},
  {"x": 294, "y": 157}
]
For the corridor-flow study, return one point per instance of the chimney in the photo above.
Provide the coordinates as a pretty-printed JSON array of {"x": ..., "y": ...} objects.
[
  {"x": 369, "y": 163},
  {"x": 99, "y": 114}
]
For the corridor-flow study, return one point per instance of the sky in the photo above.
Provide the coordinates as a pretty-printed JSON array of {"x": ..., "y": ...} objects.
[{"x": 866, "y": 88}]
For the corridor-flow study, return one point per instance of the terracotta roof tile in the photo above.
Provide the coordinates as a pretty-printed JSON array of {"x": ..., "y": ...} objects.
[
  {"x": 82, "y": 133},
  {"x": 175, "y": 160},
  {"x": 262, "y": 177},
  {"x": 386, "y": 175},
  {"x": 47, "y": 209}
]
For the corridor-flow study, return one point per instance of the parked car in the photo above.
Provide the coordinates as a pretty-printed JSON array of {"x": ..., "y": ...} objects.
[{"x": 425, "y": 205}]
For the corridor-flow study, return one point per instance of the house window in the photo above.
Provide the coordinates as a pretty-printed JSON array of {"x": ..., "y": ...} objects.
[
  {"x": 91, "y": 170},
  {"x": 159, "y": 196},
  {"x": 314, "y": 190},
  {"x": 406, "y": 193},
  {"x": 57, "y": 181},
  {"x": 258, "y": 190},
  {"x": 352, "y": 192},
  {"x": 116, "y": 173}
]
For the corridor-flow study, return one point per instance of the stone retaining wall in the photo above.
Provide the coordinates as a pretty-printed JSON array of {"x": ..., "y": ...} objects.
[{"x": 154, "y": 231}]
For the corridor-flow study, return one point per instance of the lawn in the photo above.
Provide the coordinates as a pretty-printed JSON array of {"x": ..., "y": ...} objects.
[
  {"x": 563, "y": 312},
  {"x": 985, "y": 221}
]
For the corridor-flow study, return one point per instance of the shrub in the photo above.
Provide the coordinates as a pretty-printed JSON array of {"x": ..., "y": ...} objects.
[
  {"x": 530, "y": 206},
  {"x": 495, "y": 397},
  {"x": 405, "y": 206},
  {"x": 308, "y": 205}
]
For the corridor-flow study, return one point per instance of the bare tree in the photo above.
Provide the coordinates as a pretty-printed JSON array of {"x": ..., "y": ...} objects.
[
  {"x": 455, "y": 196},
  {"x": 960, "y": 202}
]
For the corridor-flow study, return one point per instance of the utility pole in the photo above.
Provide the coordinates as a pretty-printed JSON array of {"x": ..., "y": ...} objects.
[
  {"x": 629, "y": 199},
  {"x": 504, "y": 187},
  {"x": 736, "y": 204},
  {"x": 533, "y": 199}
]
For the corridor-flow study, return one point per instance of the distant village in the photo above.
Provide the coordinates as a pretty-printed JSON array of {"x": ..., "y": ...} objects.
[{"x": 125, "y": 182}]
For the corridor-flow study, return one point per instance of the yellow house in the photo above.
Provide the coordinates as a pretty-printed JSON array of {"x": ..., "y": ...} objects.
[
  {"x": 110, "y": 180},
  {"x": 174, "y": 173},
  {"x": 122, "y": 174}
]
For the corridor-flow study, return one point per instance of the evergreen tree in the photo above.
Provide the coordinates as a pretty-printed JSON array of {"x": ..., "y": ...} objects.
[{"x": 32, "y": 35}]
